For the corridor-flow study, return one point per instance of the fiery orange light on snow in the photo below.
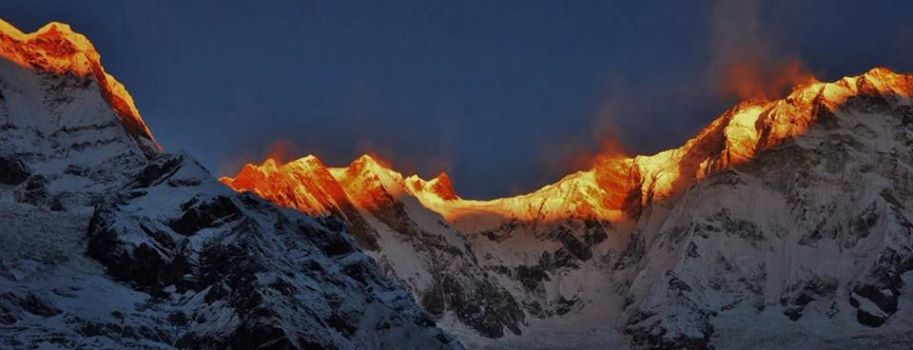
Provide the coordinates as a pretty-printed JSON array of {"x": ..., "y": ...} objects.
[
  {"x": 56, "y": 48},
  {"x": 613, "y": 187}
]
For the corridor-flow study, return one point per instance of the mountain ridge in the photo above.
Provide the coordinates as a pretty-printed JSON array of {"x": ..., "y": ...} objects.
[
  {"x": 109, "y": 242},
  {"x": 57, "y": 49},
  {"x": 627, "y": 242},
  {"x": 781, "y": 223},
  {"x": 730, "y": 139}
]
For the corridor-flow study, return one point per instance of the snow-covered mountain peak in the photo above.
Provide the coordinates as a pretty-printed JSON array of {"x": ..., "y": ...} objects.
[
  {"x": 304, "y": 184},
  {"x": 617, "y": 187},
  {"x": 58, "y": 50},
  {"x": 54, "y": 47},
  {"x": 108, "y": 242},
  {"x": 71, "y": 126},
  {"x": 308, "y": 162},
  {"x": 368, "y": 169},
  {"x": 789, "y": 213},
  {"x": 439, "y": 188}
]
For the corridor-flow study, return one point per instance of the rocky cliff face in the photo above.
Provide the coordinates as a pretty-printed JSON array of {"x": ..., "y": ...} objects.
[
  {"x": 107, "y": 242},
  {"x": 413, "y": 245},
  {"x": 782, "y": 219},
  {"x": 783, "y": 223},
  {"x": 812, "y": 234}
]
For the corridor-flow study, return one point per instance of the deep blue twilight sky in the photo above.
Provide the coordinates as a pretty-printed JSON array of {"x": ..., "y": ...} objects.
[{"x": 504, "y": 95}]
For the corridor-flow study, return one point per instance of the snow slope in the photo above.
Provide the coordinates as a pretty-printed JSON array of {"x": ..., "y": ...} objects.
[
  {"x": 107, "y": 242},
  {"x": 814, "y": 233},
  {"x": 782, "y": 222},
  {"x": 412, "y": 244}
]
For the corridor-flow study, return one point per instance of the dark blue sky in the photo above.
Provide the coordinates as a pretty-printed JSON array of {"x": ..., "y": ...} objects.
[{"x": 501, "y": 94}]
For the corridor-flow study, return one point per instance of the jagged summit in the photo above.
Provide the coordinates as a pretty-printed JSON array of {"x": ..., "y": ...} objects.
[
  {"x": 56, "y": 48},
  {"x": 313, "y": 187},
  {"x": 109, "y": 242},
  {"x": 440, "y": 187},
  {"x": 304, "y": 184},
  {"x": 799, "y": 227},
  {"x": 618, "y": 187}
]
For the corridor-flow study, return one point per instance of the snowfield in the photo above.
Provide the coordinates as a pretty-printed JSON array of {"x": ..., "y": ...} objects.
[
  {"x": 108, "y": 243},
  {"x": 783, "y": 224}
]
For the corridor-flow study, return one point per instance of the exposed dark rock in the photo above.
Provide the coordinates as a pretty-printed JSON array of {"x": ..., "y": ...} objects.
[
  {"x": 32, "y": 304},
  {"x": 562, "y": 258},
  {"x": 883, "y": 287},
  {"x": 868, "y": 103},
  {"x": 268, "y": 267},
  {"x": 632, "y": 253},
  {"x": 676, "y": 284},
  {"x": 646, "y": 329},
  {"x": 336, "y": 243},
  {"x": 502, "y": 232},
  {"x": 199, "y": 215},
  {"x": 818, "y": 287},
  {"x": 482, "y": 306},
  {"x": 34, "y": 191},
  {"x": 531, "y": 276},
  {"x": 150, "y": 265},
  {"x": 691, "y": 251},
  {"x": 743, "y": 229},
  {"x": 564, "y": 305},
  {"x": 866, "y": 319},
  {"x": 580, "y": 250},
  {"x": 357, "y": 226},
  {"x": 12, "y": 171},
  {"x": 594, "y": 237},
  {"x": 885, "y": 300},
  {"x": 158, "y": 170},
  {"x": 861, "y": 225},
  {"x": 392, "y": 213}
]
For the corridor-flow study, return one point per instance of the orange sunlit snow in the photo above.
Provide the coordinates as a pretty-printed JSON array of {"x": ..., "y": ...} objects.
[
  {"x": 614, "y": 187},
  {"x": 56, "y": 48}
]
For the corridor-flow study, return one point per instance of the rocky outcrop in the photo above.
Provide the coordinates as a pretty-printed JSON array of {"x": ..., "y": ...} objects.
[
  {"x": 291, "y": 282},
  {"x": 107, "y": 242},
  {"x": 814, "y": 230},
  {"x": 12, "y": 171}
]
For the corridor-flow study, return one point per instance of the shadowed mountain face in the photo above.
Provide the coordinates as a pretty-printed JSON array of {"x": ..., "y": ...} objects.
[
  {"x": 787, "y": 216},
  {"x": 108, "y": 242},
  {"x": 783, "y": 223}
]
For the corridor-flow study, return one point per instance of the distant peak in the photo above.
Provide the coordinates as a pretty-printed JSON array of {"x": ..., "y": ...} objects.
[
  {"x": 310, "y": 158},
  {"x": 309, "y": 161},
  {"x": 443, "y": 187},
  {"x": 57, "y": 49},
  {"x": 439, "y": 187},
  {"x": 269, "y": 163},
  {"x": 365, "y": 158},
  {"x": 367, "y": 164},
  {"x": 880, "y": 71},
  {"x": 617, "y": 186},
  {"x": 366, "y": 161}
]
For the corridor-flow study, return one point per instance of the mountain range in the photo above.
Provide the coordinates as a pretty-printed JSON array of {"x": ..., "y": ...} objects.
[
  {"x": 110, "y": 242},
  {"x": 783, "y": 223}
]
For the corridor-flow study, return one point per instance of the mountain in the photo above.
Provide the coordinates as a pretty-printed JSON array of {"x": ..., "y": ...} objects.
[
  {"x": 108, "y": 241},
  {"x": 783, "y": 223},
  {"x": 808, "y": 236},
  {"x": 413, "y": 245}
]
